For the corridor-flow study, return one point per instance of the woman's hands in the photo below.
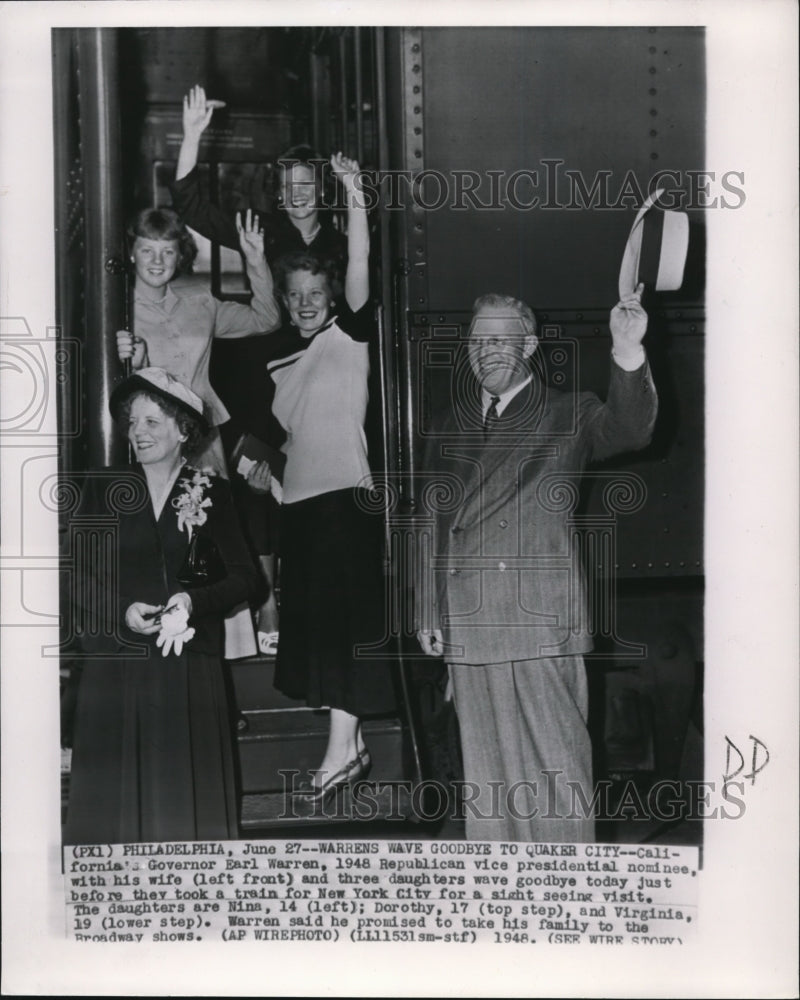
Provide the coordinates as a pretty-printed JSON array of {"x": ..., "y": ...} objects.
[
  {"x": 182, "y": 601},
  {"x": 141, "y": 618},
  {"x": 251, "y": 238},
  {"x": 347, "y": 171},
  {"x": 175, "y": 629},
  {"x": 170, "y": 622},
  {"x": 258, "y": 478},
  {"x": 131, "y": 347},
  {"x": 197, "y": 112}
]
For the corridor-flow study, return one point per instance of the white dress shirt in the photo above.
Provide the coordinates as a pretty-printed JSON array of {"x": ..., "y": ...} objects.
[{"x": 504, "y": 399}]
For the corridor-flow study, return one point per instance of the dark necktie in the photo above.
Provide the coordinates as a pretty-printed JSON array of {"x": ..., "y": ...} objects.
[{"x": 491, "y": 418}]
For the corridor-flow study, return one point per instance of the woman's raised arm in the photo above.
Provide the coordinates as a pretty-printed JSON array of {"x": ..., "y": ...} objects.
[
  {"x": 188, "y": 199},
  {"x": 197, "y": 114},
  {"x": 263, "y": 315},
  {"x": 356, "y": 285}
]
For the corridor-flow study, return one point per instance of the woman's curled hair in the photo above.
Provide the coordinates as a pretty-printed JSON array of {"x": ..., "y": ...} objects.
[
  {"x": 187, "y": 425},
  {"x": 164, "y": 224},
  {"x": 299, "y": 260}
]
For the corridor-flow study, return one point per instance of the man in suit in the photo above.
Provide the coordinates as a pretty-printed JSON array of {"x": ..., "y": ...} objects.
[{"x": 509, "y": 611}]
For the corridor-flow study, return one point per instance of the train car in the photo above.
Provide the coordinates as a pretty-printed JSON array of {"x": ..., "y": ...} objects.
[{"x": 508, "y": 160}]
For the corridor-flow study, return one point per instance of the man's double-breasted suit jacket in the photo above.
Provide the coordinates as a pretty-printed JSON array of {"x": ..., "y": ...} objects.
[{"x": 506, "y": 580}]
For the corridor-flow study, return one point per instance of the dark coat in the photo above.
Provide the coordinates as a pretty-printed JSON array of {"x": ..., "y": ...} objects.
[
  {"x": 149, "y": 556},
  {"x": 152, "y": 753}
]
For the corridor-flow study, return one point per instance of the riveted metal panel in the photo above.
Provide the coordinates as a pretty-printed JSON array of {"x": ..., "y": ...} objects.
[{"x": 542, "y": 118}]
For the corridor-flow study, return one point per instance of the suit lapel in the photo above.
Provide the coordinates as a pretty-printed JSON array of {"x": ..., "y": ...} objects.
[{"x": 516, "y": 427}]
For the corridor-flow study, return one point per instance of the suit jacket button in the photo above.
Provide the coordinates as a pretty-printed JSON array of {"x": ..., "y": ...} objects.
[
  {"x": 504, "y": 523},
  {"x": 501, "y": 566},
  {"x": 455, "y": 529},
  {"x": 454, "y": 572}
]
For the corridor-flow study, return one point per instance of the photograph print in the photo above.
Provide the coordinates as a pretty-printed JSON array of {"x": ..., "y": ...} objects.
[{"x": 383, "y": 510}]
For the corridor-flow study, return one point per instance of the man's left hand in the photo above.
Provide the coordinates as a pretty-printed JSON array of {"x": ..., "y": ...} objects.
[
  {"x": 628, "y": 325},
  {"x": 432, "y": 641}
]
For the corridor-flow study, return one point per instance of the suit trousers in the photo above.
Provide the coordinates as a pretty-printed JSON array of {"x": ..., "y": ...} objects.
[{"x": 523, "y": 739}]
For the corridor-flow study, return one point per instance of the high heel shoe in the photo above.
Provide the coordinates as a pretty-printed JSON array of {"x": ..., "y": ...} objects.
[
  {"x": 355, "y": 770},
  {"x": 268, "y": 643}
]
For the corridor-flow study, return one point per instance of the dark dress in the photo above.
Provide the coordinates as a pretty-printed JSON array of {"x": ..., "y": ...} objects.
[{"x": 152, "y": 749}]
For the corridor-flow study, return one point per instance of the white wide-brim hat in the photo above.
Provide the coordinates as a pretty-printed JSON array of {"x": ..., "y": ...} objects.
[
  {"x": 159, "y": 383},
  {"x": 656, "y": 249}
]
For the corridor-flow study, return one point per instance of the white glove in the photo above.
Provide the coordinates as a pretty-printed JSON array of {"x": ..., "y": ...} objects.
[{"x": 175, "y": 630}]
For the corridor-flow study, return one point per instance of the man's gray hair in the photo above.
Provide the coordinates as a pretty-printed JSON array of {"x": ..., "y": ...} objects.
[{"x": 524, "y": 311}]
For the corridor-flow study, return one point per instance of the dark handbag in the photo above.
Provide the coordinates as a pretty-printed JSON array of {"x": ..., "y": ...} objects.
[{"x": 203, "y": 564}]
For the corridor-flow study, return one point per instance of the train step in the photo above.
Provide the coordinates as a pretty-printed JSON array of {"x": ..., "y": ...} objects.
[
  {"x": 253, "y": 685},
  {"x": 279, "y": 746}
]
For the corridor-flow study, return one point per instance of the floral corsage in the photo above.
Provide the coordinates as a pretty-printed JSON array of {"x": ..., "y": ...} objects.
[{"x": 192, "y": 504}]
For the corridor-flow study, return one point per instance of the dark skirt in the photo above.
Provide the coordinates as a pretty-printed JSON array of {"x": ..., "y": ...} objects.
[
  {"x": 333, "y": 610},
  {"x": 152, "y": 755}
]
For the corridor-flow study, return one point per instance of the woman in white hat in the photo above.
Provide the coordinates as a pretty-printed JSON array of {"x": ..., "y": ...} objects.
[{"x": 152, "y": 752}]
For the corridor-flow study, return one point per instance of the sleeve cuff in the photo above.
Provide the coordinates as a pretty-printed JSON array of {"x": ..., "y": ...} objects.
[
  {"x": 186, "y": 180},
  {"x": 629, "y": 362}
]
